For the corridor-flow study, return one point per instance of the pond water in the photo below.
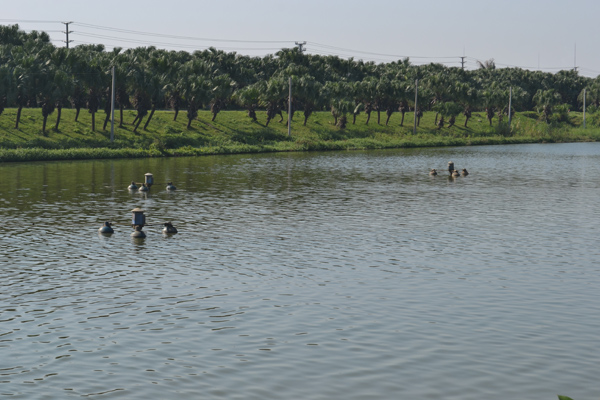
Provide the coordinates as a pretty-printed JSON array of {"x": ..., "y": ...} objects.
[{"x": 341, "y": 275}]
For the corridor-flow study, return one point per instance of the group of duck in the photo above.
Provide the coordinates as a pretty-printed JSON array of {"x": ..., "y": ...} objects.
[
  {"x": 144, "y": 188},
  {"x": 108, "y": 229},
  {"x": 453, "y": 172}
]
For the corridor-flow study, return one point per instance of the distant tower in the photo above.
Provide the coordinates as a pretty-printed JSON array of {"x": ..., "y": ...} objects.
[{"x": 301, "y": 46}]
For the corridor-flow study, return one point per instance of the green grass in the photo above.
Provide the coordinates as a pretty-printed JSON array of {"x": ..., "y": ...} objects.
[{"x": 234, "y": 132}]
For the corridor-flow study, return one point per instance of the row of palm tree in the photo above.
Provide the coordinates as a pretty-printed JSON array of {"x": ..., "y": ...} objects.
[{"x": 34, "y": 73}]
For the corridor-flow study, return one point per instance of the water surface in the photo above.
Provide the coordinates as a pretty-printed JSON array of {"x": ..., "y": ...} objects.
[{"x": 342, "y": 275}]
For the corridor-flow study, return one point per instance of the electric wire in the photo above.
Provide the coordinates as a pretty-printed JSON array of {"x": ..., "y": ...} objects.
[{"x": 311, "y": 47}]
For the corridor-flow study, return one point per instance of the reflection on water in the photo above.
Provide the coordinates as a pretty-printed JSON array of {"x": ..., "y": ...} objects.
[{"x": 323, "y": 276}]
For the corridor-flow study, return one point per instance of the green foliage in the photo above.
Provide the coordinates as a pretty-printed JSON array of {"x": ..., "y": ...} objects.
[
  {"x": 234, "y": 132},
  {"x": 560, "y": 113}
]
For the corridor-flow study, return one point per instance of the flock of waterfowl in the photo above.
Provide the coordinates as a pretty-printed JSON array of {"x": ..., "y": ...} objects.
[
  {"x": 138, "y": 224},
  {"x": 453, "y": 172},
  {"x": 145, "y": 188}
]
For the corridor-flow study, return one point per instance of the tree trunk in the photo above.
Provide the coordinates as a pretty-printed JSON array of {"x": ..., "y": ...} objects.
[
  {"x": 138, "y": 124},
  {"x": 368, "y": 118},
  {"x": 402, "y": 121},
  {"x": 389, "y": 115},
  {"x": 441, "y": 122},
  {"x": 93, "y": 122},
  {"x": 44, "y": 125},
  {"x": 189, "y": 125},
  {"x": 77, "y": 113},
  {"x": 18, "y": 117},
  {"x": 149, "y": 117},
  {"x": 121, "y": 121},
  {"x": 175, "y": 117},
  {"x": 58, "y": 114},
  {"x": 106, "y": 121},
  {"x": 451, "y": 121},
  {"x": 466, "y": 121},
  {"x": 378, "y": 117}
]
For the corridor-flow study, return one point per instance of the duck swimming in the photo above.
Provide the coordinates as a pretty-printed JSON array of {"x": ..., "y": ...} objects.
[
  {"x": 464, "y": 172},
  {"x": 106, "y": 228},
  {"x": 170, "y": 186},
  {"x": 455, "y": 174},
  {"x": 169, "y": 228},
  {"x": 138, "y": 233},
  {"x": 433, "y": 171},
  {"x": 144, "y": 188},
  {"x": 133, "y": 186}
]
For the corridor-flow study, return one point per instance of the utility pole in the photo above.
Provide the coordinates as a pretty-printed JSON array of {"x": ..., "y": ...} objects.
[
  {"x": 67, "y": 31},
  {"x": 112, "y": 108},
  {"x": 290, "y": 110},
  {"x": 575, "y": 59},
  {"x": 301, "y": 46},
  {"x": 510, "y": 107},
  {"x": 462, "y": 62},
  {"x": 416, "y": 96},
  {"x": 584, "y": 108}
]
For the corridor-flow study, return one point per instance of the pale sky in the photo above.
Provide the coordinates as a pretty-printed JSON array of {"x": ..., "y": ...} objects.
[{"x": 548, "y": 35}]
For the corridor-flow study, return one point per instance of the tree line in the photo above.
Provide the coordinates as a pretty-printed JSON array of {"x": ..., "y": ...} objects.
[{"x": 35, "y": 73}]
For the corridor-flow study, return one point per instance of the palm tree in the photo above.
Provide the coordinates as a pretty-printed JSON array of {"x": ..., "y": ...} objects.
[
  {"x": 493, "y": 99},
  {"x": 272, "y": 94},
  {"x": 222, "y": 90},
  {"x": 340, "y": 109},
  {"x": 157, "y": 94},
  {"x": 368, "y": 89},
  {"x": 77, "y": 98},
  {"x": 62, "y": 87},
  {"x": 46, "y": 95},
  {"x": 307, "y": 93},
  {"x": 25, "y": 85},
  {"x": 122, "y": 64},
  {"x": 468, "y": 97},
  {"x": 94, "y": 82},
  {"x": 592, "y": 94},
  {"x": 487, "y": 64},
  {"x": 92, "y": 104},
  {"x": 545, "y": 100},
  {"x": 248, "y": 98},
  {"x": 195, "y": 91},
  {"x": 439, "y": 86},
  {"x": 339, "y": 97},
  {"x": 5, "y": 87}
]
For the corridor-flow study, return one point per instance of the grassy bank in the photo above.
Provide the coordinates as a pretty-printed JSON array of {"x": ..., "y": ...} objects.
[{"x": 234, "y": 132}]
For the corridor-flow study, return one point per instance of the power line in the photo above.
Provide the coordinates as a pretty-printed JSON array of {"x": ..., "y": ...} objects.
[
  {"x": 375, "y": 54},
  {"x": 154, "y": 43},
  {"x": 316, "y": 48},
  {"x": 176, "y": 36},
  {"x": 33, "y": 21}
]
